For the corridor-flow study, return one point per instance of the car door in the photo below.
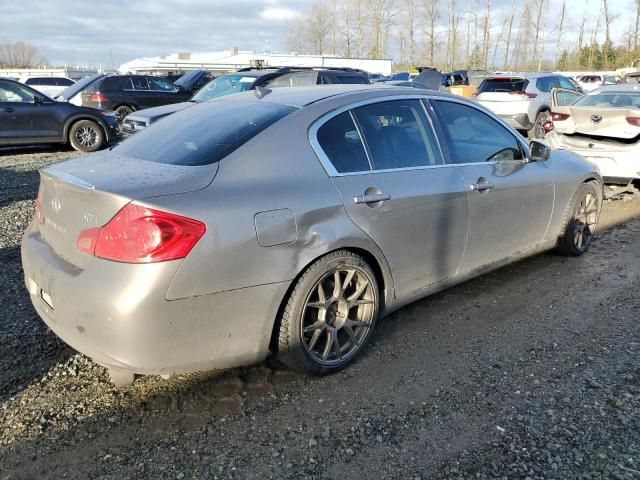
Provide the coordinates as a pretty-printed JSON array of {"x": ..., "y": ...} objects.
[
  {"x": 166, "y": 92},
  {"x": 141, "y": 93},
  {"x": 24, "y": 114},
  {"x": 385, "y": 161},
  {"x": 510, "y": 198},
  {"x": 561, "y": 97}
]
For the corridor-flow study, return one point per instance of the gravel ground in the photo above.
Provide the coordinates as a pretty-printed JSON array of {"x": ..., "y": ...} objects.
[{"x": 528, "y": 372}]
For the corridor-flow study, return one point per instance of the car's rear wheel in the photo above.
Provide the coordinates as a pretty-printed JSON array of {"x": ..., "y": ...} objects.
[
  {"x": 538, "y": 131},
  {"x": 122, "y": 111},
  {"x": 86, "y": 136},
  {"x": 330, "y": 314},
  {"x": 580, "y": 220}
]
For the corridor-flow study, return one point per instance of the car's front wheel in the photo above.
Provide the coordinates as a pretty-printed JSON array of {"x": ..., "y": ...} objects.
[
  {"x": 122, "y": 111},
  {"x": 580, "y": 220},
  {"x": 86, "y": 136},
  {"x": 330, "y": 314}
]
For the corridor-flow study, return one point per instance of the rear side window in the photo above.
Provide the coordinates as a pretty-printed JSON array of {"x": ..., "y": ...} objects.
[
  {"x": 341, "y": 143},
  {"x": 398, "y": 135},
  {"x": 545, "y": 84},
  {"x": 140, "y": 83},
  {"x": 506, "y": 84},
  {"x": 63, "y": 82},
  {"x": 116, "y": 83},
  {"x": 203, "y": 134},
  {"x": 42, "y": 81},
  {"x": 296, "y": 79},
  {"x": 475, "y": 136}
]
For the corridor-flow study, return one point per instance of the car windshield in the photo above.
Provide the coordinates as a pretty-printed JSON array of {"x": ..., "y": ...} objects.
[
  {"x": 224, "y": 85},
  {"x": 203, "y": 134},
  {"x": 80, "y": 85},
  {"x": 506, "y": 84},
  {"x": 609, "y": 99}
]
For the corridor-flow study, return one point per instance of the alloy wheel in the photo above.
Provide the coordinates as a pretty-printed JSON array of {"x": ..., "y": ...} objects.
[
  {"x": 585, "y": 219},
  {"x": 87, "y": 136},
  {"x": 337, "y": 315}
]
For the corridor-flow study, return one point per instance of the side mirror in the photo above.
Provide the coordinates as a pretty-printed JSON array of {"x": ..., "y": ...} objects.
[
  {"x": 538, "y": 151},
  {"x": 39, "y": 99}
]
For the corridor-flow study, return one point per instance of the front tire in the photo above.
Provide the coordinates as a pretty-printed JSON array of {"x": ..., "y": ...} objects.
[
  {"x": 122, "y": 111},
  {"x": 330, "y": 314},
  {"x": 86, "y": 136},
  {"x": 581, "y": 218}
]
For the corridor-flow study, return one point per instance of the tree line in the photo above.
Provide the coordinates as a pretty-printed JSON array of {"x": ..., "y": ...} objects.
[
  {"x": 452, "y": 34},
  {"x": 20, "y": 55}
]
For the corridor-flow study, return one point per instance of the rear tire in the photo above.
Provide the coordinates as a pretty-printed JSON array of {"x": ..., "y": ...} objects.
[
  {"x": 122, "y": 111},
  {"x": 581, "y": 218},
  {"x": 329, "y": 316},
  {"x": 538, "y": 132},
  {"x": 86, "y": 136}
]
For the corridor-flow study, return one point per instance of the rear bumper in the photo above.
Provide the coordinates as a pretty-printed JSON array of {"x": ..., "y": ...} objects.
[{"x": 117, "y": 314}]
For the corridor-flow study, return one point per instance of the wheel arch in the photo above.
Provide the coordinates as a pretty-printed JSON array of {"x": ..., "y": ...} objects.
[
  {"x": 382, "y": 276},
  {"x": 77, "y": 118}
]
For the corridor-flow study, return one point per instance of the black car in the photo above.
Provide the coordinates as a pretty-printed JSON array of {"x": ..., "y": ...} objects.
[
  {"x": 248, "y": 79},
  {"x": 125, "y": 93},
  {"x": 27, "y": 117}
]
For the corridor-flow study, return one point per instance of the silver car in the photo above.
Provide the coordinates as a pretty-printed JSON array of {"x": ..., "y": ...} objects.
[{"x": 289, "y": 221}]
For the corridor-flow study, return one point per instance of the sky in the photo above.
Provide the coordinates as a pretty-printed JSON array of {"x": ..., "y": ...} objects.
[{"x": 91, "y": 32}]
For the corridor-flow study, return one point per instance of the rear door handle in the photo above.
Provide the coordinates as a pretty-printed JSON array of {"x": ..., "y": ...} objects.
[
  {"x": 371, "y": 198},
  {"x": 479, "y": 187},
  {"x": 9, "y": 110}
]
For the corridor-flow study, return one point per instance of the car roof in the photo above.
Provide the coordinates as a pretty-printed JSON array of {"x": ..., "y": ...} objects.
[
  {"x": 619, "y": 87},
  {"x": 303, "y": 96},
  {"x": 525, "y": 75}
]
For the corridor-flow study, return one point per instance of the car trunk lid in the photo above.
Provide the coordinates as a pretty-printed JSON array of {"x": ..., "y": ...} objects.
[
  {"x": 87, "y": 192},
  {"x": 609, "y": 123}
]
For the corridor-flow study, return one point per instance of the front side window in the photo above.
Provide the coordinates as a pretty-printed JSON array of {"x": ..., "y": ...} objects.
[
  {"x": 161, "y": 85},
  {"x": 545, "y": 84},
  {"x": 14, "y": 92},
  {"x": 398, "y": 135},
  {"x": 64, "y": 82},
  {"x": 203, "y": 134},
  {"x": 474, "y": 136},
  {"x": 341, "y": 143},
  {"x": 566, "y": 83},
  {"x": 295, "y": 79}
]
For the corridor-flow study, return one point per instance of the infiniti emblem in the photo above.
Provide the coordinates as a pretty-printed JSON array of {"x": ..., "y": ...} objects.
[
  {"x": 56, "y": 205},
  {"x": 596, "y": 118}
]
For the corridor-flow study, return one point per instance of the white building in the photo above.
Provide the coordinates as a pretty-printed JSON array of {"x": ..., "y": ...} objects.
[
  {"x": 75, "y": 73},
  {"x": 220, "y": 62}
]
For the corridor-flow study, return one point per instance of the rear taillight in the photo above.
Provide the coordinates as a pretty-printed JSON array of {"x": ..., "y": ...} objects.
[
  {"x": 98, "y": 97},
  {"x": 548, "y": 126},
  {"x": 524, "y": 94},
  {"x": 38, "y": 212},
  {"x": 138, "y": 234},
  {"x": 635, "y": 121},
  {"x": 559, "y": 117}
]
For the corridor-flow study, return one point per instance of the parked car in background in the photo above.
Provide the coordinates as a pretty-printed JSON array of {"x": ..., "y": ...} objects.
[
  {"x": 631, "y": 78},
  {"x": 591, "y": 82},
  {"x": 472, "y": 77},
  {"x": 522, "y": 100},
  {"x": 603, "y": 127},
  {"x": 28, "y": 117},
  {"x": 193, "y": 81},
  {"x": 377, "y": 77},
  {"x": 294, "y": 214},
  {"x": 124, "y": 94},
  {"x": 452, "y": 80},
  {"x": 248, "y": 79},
  {"x": 400, "y": 76},
  {"x": 50, "y": 86}
]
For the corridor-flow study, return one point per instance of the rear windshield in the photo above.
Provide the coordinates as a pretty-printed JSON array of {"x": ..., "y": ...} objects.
[
  {"x": 609, "y": 99},
  {"x": 506, "y": 84},
  {"x": 202, "y": 134},
  {"x": 80, "y": 85}
]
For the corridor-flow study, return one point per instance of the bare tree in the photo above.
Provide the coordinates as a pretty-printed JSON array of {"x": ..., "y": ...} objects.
[
  {"x": 20, "y": 55},
  {"x": 497, "y": 44},
  {"x": 381, "y": 14},
  {"x": 506, "y": 53},
  {"x": 609, "y": 18},
  {"x": 594, "y": 39},
  {"x": 319, "y": 27},
  {"x": 538, "y": 28},
  {"x": 409, "y": 24},
  {"x": 431, "y": 12},
  {"x": 581, "y": 37},
  {"x": 486, "y": 32},
  {"x": 635, "y": 36},
  {"x": 560, "y": 27}
]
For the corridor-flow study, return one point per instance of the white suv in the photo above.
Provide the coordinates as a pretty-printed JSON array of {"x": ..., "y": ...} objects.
[
  {"x": 50, "y": 86},
  {"x": 523, "y": 100}
]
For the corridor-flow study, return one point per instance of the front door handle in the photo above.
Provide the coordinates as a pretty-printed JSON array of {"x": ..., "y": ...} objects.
[
  {"x": 371, "y": 198},
  {"x": 9, "y": 110},
  {"x": 480, "y": 187}
]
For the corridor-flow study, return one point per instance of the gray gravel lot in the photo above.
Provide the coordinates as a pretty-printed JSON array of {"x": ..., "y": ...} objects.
[{"x": 528, "y": 372}]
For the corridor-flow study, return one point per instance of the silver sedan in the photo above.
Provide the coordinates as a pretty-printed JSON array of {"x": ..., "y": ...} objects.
[{"x": 289, "y": 221}]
